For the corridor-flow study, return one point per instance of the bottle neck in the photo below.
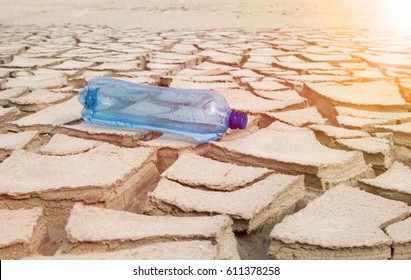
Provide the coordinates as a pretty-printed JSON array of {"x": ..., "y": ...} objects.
[{"x": 237, "y": 120}]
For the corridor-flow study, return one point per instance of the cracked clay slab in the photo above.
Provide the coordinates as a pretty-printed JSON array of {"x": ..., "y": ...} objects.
[
  {"x": 177, "y": 250},
  {"x": 62, "y": 113},
  {"x": 292, "y": 149},
  {"x": 22, "y": 232},
  {"x": 60, "y": 145},
  {"x": 281, "y": 95},
  {"x": 19, "y": 61},
  {"x": 13, "y": 141},
  {"x": 249, "y": 207},
  {"x": 299, "y": 117},
  {"x": 396, "y": 116},
  {"x": 125, "y": 230},
  {"x": 8, "y": 114},
  {"x": 26, "y": 172},
  {"x": 106, "y": 175},
  {"x": 37, "y": 82},
  {"x": 121, "y": 136},
  {"x": 377, "y": 151},
  {"x": 395, "y": 183},
  {"x": 372, "y": 96},
  {"x": 363, "y": 124},
  {"x": 401, "y": 133},
  {"x": 5, "y": 95},
  {"x": 338, "y": 132},
  {"x": 212, "y": 174},
  {"x": 401, "y": 235},
  {"x": 343, "y": 223},
  {"x": 245, "y": 101},
  {"x": 380, "y": 94}
]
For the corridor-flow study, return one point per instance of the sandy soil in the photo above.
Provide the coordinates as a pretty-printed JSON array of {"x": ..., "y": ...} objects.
[
  {"x": 196, "y": 14},
  {"x": 160, "y": 15}
]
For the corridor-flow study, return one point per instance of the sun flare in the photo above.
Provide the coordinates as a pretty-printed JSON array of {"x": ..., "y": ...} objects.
[{"x": 398, "y": 13}]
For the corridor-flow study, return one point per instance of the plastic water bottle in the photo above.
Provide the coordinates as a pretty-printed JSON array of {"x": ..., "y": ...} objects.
[{"x": 200, "y": 114}]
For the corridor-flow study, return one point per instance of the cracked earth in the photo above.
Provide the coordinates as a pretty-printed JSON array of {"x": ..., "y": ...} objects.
[{"x": 322, "y": 170}]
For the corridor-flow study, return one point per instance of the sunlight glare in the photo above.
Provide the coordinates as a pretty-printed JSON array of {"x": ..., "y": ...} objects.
[{"x": 398, "y": 13}]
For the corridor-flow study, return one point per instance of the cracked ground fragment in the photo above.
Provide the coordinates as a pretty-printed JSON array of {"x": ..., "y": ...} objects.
[
  {"x": 6, "y": 94},
  {"x": 22, "y": 232},
  {"x": 343, "y": 223},
  {"x": 4, "y": 73},
  {"x": 267, "y": 85},
  {"x": 206, "y": 85},
  {"x": 216, "y": 68},
  {"x": 329, "y": 57},
  {"x": 395, "y": 60},
  {"x": 374, "y": 96},
  {"x": 175, "y": 58},
  {"x": 72, "y": 64},
  {"x": 61, "y": 145},
  {"x": 204, "y": 172},
  {"x": 124, "y": 230},
  {"x": 139, "y": 80},
  {"x": 315, "y": 78},
  {"x": 300, "y": 117},
  {"x": 172, "y": 62},
  {"x": 118, "y": 66},
  {"x": 289, "y": 59},
  {"x": 266, "y": 52},
  {"x": 41, "y": 81},
  {"x": 38, "y": 99},
  {"x": 220, "y": 57},
  {"x": 26, "y": 62},
  {"x": 401, "y": 133},
  {"x": 364, "y": 124},
  {"x": 306, "y": 65},
  {"x": 282, "y": 95},
  {"x": 245, "y": 73},
  {"x": 377, "y": 151},
  {"x": 405, "y": 88},
  {"x": 176, "y": 250},
  {"x": 189, "y": 73},
  {"x": 395, "y": 183},
  {"x": 8, "y": 114},
  {"x": 117, "y": 136},
  {"x": 169, "y": 146},
  {"x": 401, "y": 235},
  {"x": 328, "y": 134},
  {"x": 245, "y": 101},
  {"x": 13, "y": 141},
  {"x": 184, "y": 48},
  {"x": 250, "y": 207},
  {"x": 217, "y": 78},
  {"x": 399, "y": 117},
  {"x": 169, "y": 68},
  {"x": 370, "y": 74},
  {"x": 56, "y": 182},
  {"x": 52, "y": 116},
  {"x": 293, "y": 150}
]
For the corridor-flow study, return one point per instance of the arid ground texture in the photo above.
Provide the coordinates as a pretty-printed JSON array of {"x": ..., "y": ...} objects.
[{"x": 322, "y": 171}]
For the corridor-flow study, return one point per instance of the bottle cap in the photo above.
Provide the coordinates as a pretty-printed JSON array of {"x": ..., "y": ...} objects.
[{"x": 238, "y": 120}]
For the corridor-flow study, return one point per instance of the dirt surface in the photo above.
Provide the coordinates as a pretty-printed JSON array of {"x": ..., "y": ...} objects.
[{"x": 323, "y": 82}]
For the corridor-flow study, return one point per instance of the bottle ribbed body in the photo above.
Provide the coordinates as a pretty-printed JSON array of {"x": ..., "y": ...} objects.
[{"x": 201, "y": 114}]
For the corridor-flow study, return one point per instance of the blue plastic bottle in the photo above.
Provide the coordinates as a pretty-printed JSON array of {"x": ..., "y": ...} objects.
[{"x": 201, "y": 114}]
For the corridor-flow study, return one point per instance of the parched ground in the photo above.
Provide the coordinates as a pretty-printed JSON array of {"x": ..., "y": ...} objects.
[{"x": 321, "y": 171}]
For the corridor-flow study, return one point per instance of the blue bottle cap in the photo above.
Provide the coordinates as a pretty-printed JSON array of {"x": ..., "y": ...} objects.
[{"x": 238, "y": 120}]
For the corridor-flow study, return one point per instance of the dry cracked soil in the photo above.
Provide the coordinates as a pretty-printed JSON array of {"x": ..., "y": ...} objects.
[{"x": 322, "y": 170}]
